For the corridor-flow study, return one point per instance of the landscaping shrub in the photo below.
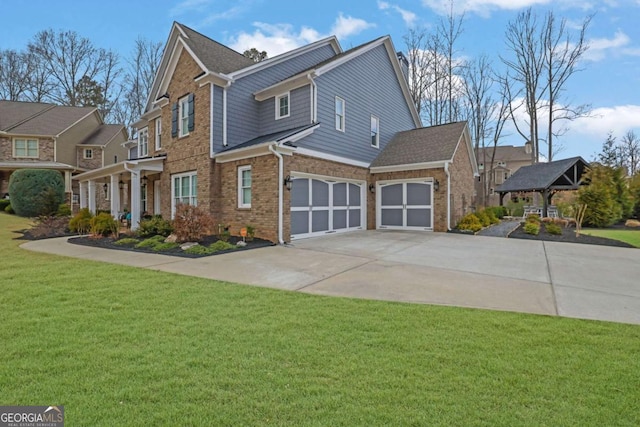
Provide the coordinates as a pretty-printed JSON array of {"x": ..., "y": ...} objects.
[
  {"x": 156, "y": 225},
  {"x": 221, "y": 245},
  {"x": 469, "y": 222},
  {"x": 606, "y": 196},
  {"x": 199, "y": 250},
  {"x": 515, "y": 208},
  {"x": 493, "y": 219},
  {"x": 535, "y": 218},
  {"x": 164, "y": 246},
  {"x": 103, "y": 224},
  {"x": 9, "y": 210},
  {"x": 4, "y": 203},
  {"x": 499, "y": 211},
  {"x": 531, "y": 227},
  {"x": 49, "y": 226},
  {"x": 553, "y": 228},
  {"x": 150, "y": 242},
  {"x": 191, "y": 223},
  {"x": 63, "y": 210},
  {"x": 81, "y": 222},
  {"x": 485, "y": 221},
  {"x": 36, "y": 192},
  {"x": 127, "y": 241}
]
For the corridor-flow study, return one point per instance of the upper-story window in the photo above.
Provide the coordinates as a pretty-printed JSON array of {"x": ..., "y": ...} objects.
[
  {"x": 23, "y": 147},
  {"x": 88, "y": 153},
  {"x": 143, "y": 142},
  {"x": 502, "y": 163},
  {"x": 375, "y": 131},
  {"x": 183, "y": 116},
  {"x": 340, "y": 113},
  {"x": 282, "y": 106},
  {"x": 158, "y": 133},
  {"x": 244, "y": 187}
]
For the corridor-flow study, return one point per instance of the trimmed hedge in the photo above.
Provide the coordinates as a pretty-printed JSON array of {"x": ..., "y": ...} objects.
[{"x": 36, "y": 192}]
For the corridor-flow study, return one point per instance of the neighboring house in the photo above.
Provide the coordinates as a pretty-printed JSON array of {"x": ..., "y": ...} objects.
[
  {"x": 314, "y": 141},
  {"x": 506, "y": 161},
  {"x": 68, "y": 139}
]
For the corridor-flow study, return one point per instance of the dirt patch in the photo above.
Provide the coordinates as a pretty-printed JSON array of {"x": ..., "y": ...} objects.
[{"x": 568, "y": 236}]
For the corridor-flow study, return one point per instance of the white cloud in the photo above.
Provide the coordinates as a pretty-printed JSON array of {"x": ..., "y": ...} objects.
[
  {"x": 600, "y": 47},
  {"x": 408, "y": 17},
  {"x": 187, "y": 6},
  {"x": 617, "y": 119},
  {"x": 279, "y": 38},
  {"x": 481, "y": 7}
]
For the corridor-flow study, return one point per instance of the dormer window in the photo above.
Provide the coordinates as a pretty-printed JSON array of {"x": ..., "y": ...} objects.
[
  {"x": 282, "y": 106},
  {"x": 143, "y": 142},
  {"x": 88, "y": 153}
]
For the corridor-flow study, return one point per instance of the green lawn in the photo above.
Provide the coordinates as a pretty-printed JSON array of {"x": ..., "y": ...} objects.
[
  {"x": 629, "y": 236},
  {"x": 120, "y": 346}
]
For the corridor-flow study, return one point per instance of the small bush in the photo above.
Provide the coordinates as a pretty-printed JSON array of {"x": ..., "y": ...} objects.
[
  {"x": 156, "y": 225},
  {"x": 469, "y": 222},
  {"x": 63, "y": 210},
  {"x": 81, "y": 222},
  {"x": 199, "y": 250},
  {"x": 493, "y": 219},
  {"x": 499, "y": 211},
  {"x": 251, "y": 232},
  {"x": 553, "y": 228},
  {"x": 9, "y": 210},
  {"x": 164, "y": 246},
  {"x": 531, "y": 227},
  {"x": 546, "y": 220},
  {"x": 4, "y": 203},
  {"x": 36, "y": 192},
  {"x": 535, "y": 218},
  {"x": 485, "y": 221},
  {"x": 191, "y": 223},
  {"x": 127, "y": 241},
  {"x": 103, "y": 224},
  {"x": 150, "y": 242},
  {"x": 221, "y": 245},
  {"x": 49, "y": 226}
]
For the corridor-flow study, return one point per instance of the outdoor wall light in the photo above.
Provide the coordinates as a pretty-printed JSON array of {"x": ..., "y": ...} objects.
[
  {"x": 105, "y": 187},
  {"x": 145, "y": 180},
  {"x": 121, "y": 183},
  {"x": 288, "y": 182},
  {"x": 372, "y": 188},
  {"x": 436, "y": 185}
]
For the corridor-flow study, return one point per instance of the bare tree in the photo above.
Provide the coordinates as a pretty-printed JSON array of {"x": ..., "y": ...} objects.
[
  {"x": 14, "y": 75},
  {"x": 449, "y": 30},
  {"x": 631, "y": 149},
  {"x": 419, "y": 65},
  {"x": 561, "y": 55}
]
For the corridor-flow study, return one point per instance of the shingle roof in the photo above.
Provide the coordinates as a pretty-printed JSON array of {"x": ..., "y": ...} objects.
[
  {"x": 39, "y": 119},
  {"x": 215, "y": 56},
  {"x": 272, "y": 137},
  {"x": 103, "y": 134},
  {"x": 423, "y": 145},
  {"x": 541, "y": 176},
  {"x": 506, "y": 153}
]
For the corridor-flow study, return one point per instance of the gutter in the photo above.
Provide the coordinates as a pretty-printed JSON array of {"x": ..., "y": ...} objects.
[
  {"x": 446, "y": 171},
  {"x": 280, "y": 195}
]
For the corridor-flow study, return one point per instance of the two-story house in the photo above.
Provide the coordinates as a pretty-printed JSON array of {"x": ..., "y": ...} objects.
[
  {"x": 507, "y": 159},
  {"x": 71, "y": 140},
  {"x": 313, "y": 141}
]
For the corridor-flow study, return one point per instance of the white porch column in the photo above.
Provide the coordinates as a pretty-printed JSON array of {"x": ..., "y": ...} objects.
[
  {"x": 115, "y": 196},
  {"x": 135, "y": 199},
  {"x": 92, "y": 196},
  {"x": 83, "y": 194},
  {"x": 67, "y": 182}
]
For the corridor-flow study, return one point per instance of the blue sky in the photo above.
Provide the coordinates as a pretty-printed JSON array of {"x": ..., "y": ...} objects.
[{"x": 610, "y": 80}]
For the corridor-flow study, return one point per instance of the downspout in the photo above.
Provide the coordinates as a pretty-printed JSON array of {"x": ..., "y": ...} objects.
[
  {"x": 211, "y": 98},
  {"x": 224, "y": 113},
  {"x": 314, "y": 101},
  {"x": 446, "y": 171},
  {"x": 280, "y": 195}
]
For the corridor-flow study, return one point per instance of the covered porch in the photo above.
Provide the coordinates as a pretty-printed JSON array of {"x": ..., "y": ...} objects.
[{"x": 124, "y": 187}]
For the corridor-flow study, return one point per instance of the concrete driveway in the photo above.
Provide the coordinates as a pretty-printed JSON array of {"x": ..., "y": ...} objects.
[{"x": 572, "y": 280}]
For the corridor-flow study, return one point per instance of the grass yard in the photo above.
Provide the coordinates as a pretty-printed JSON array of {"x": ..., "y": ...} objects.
[
  {"x": 121, "y": 346},
  {"x": 629, "y": 236}
]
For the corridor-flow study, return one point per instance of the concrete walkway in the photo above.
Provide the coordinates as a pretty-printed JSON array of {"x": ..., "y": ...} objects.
[
  {"x": 502, "y": 229},
  {"x": 572, "y": 280}
]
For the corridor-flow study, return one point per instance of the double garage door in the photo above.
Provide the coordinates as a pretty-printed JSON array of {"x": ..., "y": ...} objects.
[
  {"x": 405, "y": 205},
  {"x": 322, "y": 205}
]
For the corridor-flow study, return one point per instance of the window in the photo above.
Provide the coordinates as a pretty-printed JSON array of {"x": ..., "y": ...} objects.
[
  {"x": 481, "y": 166},
  {"x": 375, "y": 131},
  {"x": 282, "y": 106},
  {"x": 143, "y": 142},
  {"x": 107, "y": 192},
  {"x": 158, "y": 133},
  {"x": 143, "y": 199},
  {"x": 88, "y": 153},
  {"x": 184, "y": 188},
  {"x": 340, "y": 114},
  {"x": 244, "y": 187},
  {"x": 184, "y": 117},
  {"x": 25, "y": 147},
  {"x": 501, "y": 163}
]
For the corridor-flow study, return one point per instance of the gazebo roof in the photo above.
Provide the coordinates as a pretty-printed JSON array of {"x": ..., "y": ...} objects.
[{"x": 557, "y": 175}]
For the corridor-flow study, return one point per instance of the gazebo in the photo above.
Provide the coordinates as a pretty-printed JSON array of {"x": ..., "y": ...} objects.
[{"x": 546, "y": 179}]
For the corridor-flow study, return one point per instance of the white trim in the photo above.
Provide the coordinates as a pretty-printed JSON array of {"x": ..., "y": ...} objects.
[
  {"x": 377, "y": 120},
  {"x": 211, "y": 101},
  {"x": 344, "y": 113},
  {"x": 295, "y": 174},
  {"x": 409, "y": 167},
  {"x": 158, "y": 133},
  {"x": 181, "y": 108},
  {"x": 286, "y": 95},
  {"x": 156, "y": 197},
  {"x": 144, "y": 132},
  {"x": 26, "y": 147},
  {"x": 253, "y": 151},
  {"x": 224, "y": 114},
  {"x": 331, "y": 157},
  {"x": 240, "y": 185},
  {"x": 84, "y": 153},
  {"x": 173, "y": 194},
  {"x": 172, "y": 65},
  {"x": 428, "y": 181},
  {"x": 292, "y": 83}
]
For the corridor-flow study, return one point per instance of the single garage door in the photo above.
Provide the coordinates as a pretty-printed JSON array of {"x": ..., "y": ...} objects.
[
  {"x": 320, "y": 206},
  {"x": 405, "y": 205}
]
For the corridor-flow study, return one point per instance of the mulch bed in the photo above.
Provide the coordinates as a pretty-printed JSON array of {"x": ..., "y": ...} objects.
[
  {"x": 568, "y": 236},
  {"x": 109, "y": 243}
]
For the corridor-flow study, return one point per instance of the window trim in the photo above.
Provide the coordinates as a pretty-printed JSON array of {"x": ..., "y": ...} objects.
[
  {"x": 158, "y": 133},
  {"x": 241, "y": 187},
  {"x": 194, "y": 195},
  {"x": 286, "y": 95},
  {"x": 183, "y": 116},
  {"x": 377, "y": 120},
  {"x": 143, "y": 133},
  {"x": 344, "y": 113},
  {"x": 84, "y": 153},
  {"x": 26, "y": 148}
]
